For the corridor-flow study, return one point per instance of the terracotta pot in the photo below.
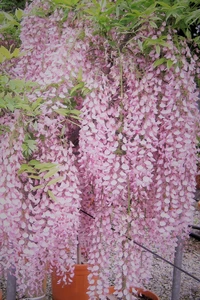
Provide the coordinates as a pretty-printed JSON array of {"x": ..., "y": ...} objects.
[
  {"x": 143, "y": 292},
  {"x": 78, "y": 288},
  {"x": 74, "y": 291}
]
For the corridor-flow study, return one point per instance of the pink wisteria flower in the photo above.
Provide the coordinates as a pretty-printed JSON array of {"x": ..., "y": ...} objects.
[{"x": 123, "y": 171}]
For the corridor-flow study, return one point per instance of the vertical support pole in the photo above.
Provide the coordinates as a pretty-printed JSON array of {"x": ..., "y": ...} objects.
[
  {"x": 176, "y": 284},
  {"x": 78, "y": 253},
  {"x": 11, "y": 284}
]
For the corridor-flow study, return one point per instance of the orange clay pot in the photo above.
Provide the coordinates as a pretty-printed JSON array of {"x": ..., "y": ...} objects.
[
  {"x": 74, "y": 291},
  {"x": 140, "y": 291},
  {"x": 78, "y": 288}
]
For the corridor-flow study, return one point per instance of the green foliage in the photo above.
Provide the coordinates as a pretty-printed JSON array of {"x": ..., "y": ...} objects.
[
  {"x": 4, "y": 129},
  {"x": 6, "y": 54},
  {"x": 127, "y": 16},
  {"x": 12, "y": 5},
  {"x": 74, "y": 113},
  {"x": 44, "y": 173},
  {"x": 51, "y": 195},
  {"x": 78, "y": 90},
  {"x": 13, "y": 96},
  {"x": 67, "y": 3},
  {"x": 10, "y": 28},
  {"x": 29, "y": 145}
]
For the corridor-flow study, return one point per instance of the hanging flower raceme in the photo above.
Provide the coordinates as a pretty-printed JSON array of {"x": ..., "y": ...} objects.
[
  {"x": 47, "y": 201},
  {"x": 106, "y": 167},
  {"x": 53, "y": 202},
  {"x": 40, "y": 205},
  {"x": 134, "y": 144},
  {"x": 121, "y": 172},
  {"x": 11, "y": 190}
]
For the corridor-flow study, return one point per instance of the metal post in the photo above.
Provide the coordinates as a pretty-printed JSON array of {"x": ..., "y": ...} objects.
[
  {"x": 78, "y": 253},
  {"x": 176, "y": 284},
  {"x": 11, "y": 284}
]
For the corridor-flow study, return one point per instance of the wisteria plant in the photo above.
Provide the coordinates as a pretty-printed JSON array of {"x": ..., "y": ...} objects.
[{"x": 98, "y": 115}]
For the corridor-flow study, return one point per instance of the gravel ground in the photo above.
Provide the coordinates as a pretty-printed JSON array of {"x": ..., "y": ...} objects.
[{"x": 161, "y": 281}]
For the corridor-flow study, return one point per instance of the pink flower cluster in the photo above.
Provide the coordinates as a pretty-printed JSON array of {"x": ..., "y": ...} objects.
[{"x": 133, "y": 168}]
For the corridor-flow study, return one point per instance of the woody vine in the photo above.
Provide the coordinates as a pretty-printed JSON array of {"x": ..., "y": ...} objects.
[{"x": 98, "y": 112}]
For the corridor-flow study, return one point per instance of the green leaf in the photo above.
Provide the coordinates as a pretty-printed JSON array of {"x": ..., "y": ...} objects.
[
  {"x": 55, "y": 180},
  {"x": 169, "y": 63},
  {"x": 51, "y": 173},
  {"x": 153, "y": 24},
  {"x": 160, "y": 41},
  {"x": 117, "y": 11},
  {"x": 23, "y": 106},
  {"x": 16, "y": 52},
  {"x": 63, "y": 130},
  {"x": 158, "y": 49},
  {"x": 10, "y": 102},
  {"x": 23, "y": 167},
  {"x": 51, "y": 195},
  {"x": 4, "y": 129},
  {"x": 8, "y": 16},
  {"x": 80, "y": 75},
  {"x": 31, "y": 144},
  {"x": 62, "y": 111},
  {"x": 10, "y": 106},
  {"x": 26, "y": 168},
  {"x": 85, "y": 91},
  {"x": 5, "y": 53},
  {"x": 193, "y": 17},
  {"x": 140, "y": 44},
  {"x": 17, "y": 85},
  {"x": 19, "y": 13},
  {"x": 76, "y": 88},
  {"x": 4, "y": 79},
  {"x": 75, "y": 112},
  {"x": 37, "y": 103},
  {"x": 34, "y": 162},
  {"x": 69, "y": 3},
  {"x": 35, "y": 125},
  {"x": 2, "y": 103},
  {"x": 164, "y": 4},
  {"x": 188, "y": 34},
  {"x": 37, "y": 187},
  {"x": 68, "y": 112},
  {"x": 45, "y": 166},
  {"x": 31, "y": 84},
  {"x": 2, "y": 58},
  {"x": 159, "y": 62},
  {"x": 34, "y": 176}
]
